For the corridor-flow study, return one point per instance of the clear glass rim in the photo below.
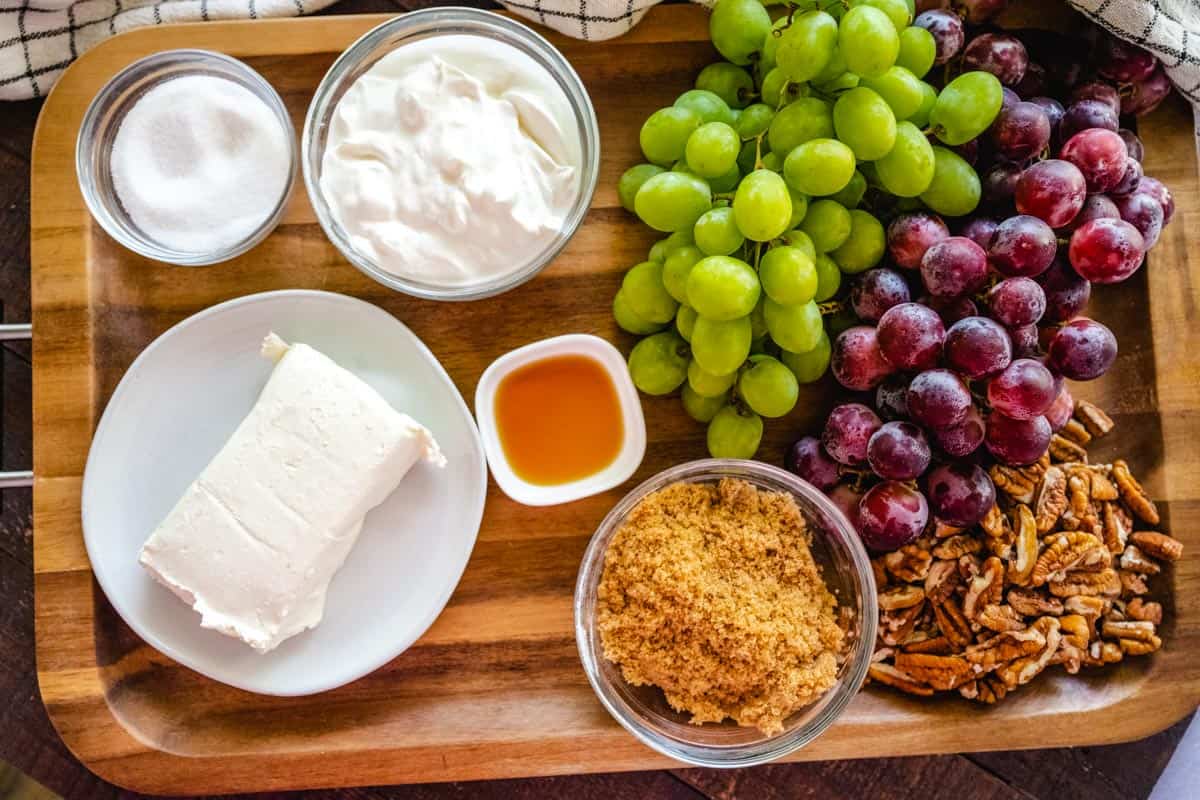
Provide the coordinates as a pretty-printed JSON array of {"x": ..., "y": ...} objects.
[
  {"x": 859, "y": 656},
  {"x": 435, "y": 21},
  {"x": 103, "y": 104}
]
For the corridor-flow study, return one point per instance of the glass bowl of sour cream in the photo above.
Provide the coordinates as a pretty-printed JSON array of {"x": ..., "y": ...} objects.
[{"x": 450, "y": 153}]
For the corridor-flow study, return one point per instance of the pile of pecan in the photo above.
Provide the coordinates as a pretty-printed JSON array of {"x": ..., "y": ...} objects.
[{"x": 1055, "y": 574}]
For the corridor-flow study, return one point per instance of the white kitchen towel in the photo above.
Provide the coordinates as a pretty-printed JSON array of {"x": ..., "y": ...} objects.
[{"x": 40, "y": 38}]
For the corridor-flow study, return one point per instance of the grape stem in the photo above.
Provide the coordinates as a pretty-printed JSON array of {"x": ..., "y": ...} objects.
[{"x": 831, "y": 307}]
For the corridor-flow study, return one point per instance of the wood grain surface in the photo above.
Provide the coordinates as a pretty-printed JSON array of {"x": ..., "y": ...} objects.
[{"x": 101, "y": 682}]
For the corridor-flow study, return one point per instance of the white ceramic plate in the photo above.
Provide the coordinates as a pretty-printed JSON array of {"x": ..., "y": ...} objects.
[{"x": 174, "y": 409}]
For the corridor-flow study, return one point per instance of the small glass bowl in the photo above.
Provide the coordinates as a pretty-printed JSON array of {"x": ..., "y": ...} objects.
[
  {"x": 424, "y": 24},
  {"x": 644, "y": 711},
  {"x": 103, "y": 117}
]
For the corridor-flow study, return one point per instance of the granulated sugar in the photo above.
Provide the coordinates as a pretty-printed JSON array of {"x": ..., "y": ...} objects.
[{"x": 199, "y": 163}]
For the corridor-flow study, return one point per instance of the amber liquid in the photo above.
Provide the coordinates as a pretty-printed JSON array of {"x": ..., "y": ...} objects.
[{"x": 559, "y": 419}]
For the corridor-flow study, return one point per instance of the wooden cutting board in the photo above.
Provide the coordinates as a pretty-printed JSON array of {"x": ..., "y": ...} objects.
[{"x": 495, "y": 689}]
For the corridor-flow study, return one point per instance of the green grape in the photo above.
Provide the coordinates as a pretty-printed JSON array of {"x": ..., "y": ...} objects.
[
  {"x": 657, "y": 363},
  {"x": 676, "y": 240},
  {"x": 868, "y": 41},
  {"x": 766, "y": 60},
  {"x": 768, "y": 387},
  {"x": 864, "y": 121},
  {"x": 726, "y": 183},
  {"x": 799, "y": 207},
  {"x": 720, "y": 347},
  {"x": 798, "y": 122},
  {"x": 899, "y": 12},
  {"x": 862, "y": 250},
  {"x": 727, "y": 81},
  {"x": 677, "y": 267},
  {"x": 843, "y": 83},
  {"x": 900, "y": 89},
  {"x": 955, "y": 188},
  {"x": 772, "y": 162},
  {"x": 747, "y": 158},
  {"x": 761, "y": 206},
  {"x": 920, "y": 117},
  {"x": 834, "y": 69},
  {"x": 699, "y": 407},
  {"x": 647, "y": 296},
  {"x": 807, "y": 45},
  {"x": 632, "y": 180},
  {"x": 908, "y": 169},
  {"x": 758, "y": 322},
  {"x": 809, "y": 366},
  {"x": 827, "y": 224},
  {"x": 685, "y": 320},
  {"x": 829, "y": 277},
  {"x": 802, "y": 242},
  {"x": 629, "y": 320},
  {"x": 665, "y": 133},
  {"x": 717, "y": 233},
  {"x": 658, "y": 252},
  {"x": 708, "y": 106},
  {"x": 794, "y": 328},
  {"x": 712, "y": 149},
  {"x": 722, "y": 288},
  {"x": 734, "y": 434},
  {"x": 918, "y": 50},
  {"x": 966, "y": 107},
  {"x": 754, "y": 120},
  {"x": 738, "y": 28},
  {"x": 788, "y": 276},
  {"x": 819, "y": 167},
  {"x": 706, "y": 384},
  {"x": 852, "y": 193},
  {"x": 777, "y": 90},
  {"x": 672, "y": 201}
]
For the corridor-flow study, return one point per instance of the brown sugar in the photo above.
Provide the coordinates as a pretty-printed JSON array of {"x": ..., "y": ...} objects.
[{"x": 710, "y": 593}]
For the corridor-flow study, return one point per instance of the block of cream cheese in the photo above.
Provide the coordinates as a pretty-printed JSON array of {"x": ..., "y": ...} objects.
[{"x": 255, "y": 540}]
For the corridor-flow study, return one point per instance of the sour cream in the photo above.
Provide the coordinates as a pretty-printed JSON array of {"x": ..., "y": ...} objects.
[{"x": 452, "y": 161}]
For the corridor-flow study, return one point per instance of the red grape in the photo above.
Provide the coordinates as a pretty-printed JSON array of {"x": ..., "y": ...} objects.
[
  {"x": 1082, "y": 350},
  {"x": 1097, "y": 206},
  {"x": 969, "y": 150},
  {"x": 1106, "y": 250},
  {"x": 1100, "y": 155},
  {"x": 890, "y": 515},
  {"x": 1159, "y": 191},
  {"x": 952, "y": 309},
  {"x": 847, "y": 431},
  {"x": 998, "y": 53},
  {"x": 959, "y": 441},
  {"x": 1098, "y": 90},
  {"x": 1017, "y": 302},
  {"x": 1054, "y": 112},
  {"x": 876, "y": 291},
  {"x": 1066, "y": 292},
  {"x": 898, "y": 451},
  {"x": 1034, "y": 82},
  {"x": 937, "y": 398},
  {"x": 846, "y": 498},
  {"x": 977, "y": 346},
  {"x": 960, "y": 494},
  {"x": 1087, "y": 114},
  {"x": 1023, "y": 391},
  {"x": 1025, "y": 341},
  {"x": 1021, "y": 131},
  {"x": 947, "y": 30},
  {"x": 1017, "y": 442},
  {"x": 1137, "y": 151},
  {"x": 1130, "y": 180},
  {"x": 998, "y": 186},
  {"x": 891, "y": 398},
  {"x": 1008, "y": 97},
  {"x": 1052, "y": 190},
  {"x": 1122, "y": 62},
  {"x": 1144, "y": 213},
  {"x": 856, "y": 361},
  {"x": 1145, "y": 95},
  {"x": 979, "y": 230},
  {"x": 910, "y": 336},
  {"x": 1060, "y": 411},
  {"x": 807, "y": 459},
  {"x": 954, "y": 267},
  {"x": 1023, "y": 245},
  {"x": 910, "y": 235}
]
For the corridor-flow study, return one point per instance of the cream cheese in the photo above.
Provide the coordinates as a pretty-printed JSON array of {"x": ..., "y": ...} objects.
[
  {"x": 453, "y": 160},
  {"x": 255, "y": 540}
]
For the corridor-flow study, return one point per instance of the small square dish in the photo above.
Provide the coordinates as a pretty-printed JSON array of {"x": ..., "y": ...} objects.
[{"x": 549, "y": 442}]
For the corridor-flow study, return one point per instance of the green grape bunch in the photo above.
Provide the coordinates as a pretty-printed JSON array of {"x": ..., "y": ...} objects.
[{"x": 769, "y": 177}]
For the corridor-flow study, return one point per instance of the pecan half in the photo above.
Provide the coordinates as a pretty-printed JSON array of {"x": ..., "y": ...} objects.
[
  {"x": 942, "y": 580},
  {"x": 1051, "y": 499},
  {"x": 939, "y": 645},
  {"x": 1132, "y": 583},
  {"x": 1076, "y": 635},
  {"x": 1104, "y": 583},
  {"x": 1133, "y": 494},
  {"x": 1117, "y": 525},
  {"x": 1103, "y": 489},
  {"x": 1000, "y": 618},
  {"x": 940, "y": 672},
  {"x": 1063, "y": 449},
  {"x": 881, "y": 576},
  {"x": 1076, "y": 432},
  {"x": 1089, "y": 607},
  {"x": 1021, "y": 671},
  {"x": 910, "y": 563},
  {"x": 889, "y": 675},
  {"x": 1134, "y": 560},
  {"x": 901, "y": 597},
  {"x": 942, "y": 531},
  {"x": 1014, "y": 482},
  {"x": 1134, "y": 637},
  {"x": 1101, "y": 653},
  {"x": 1020, "y": 569},
  {"x": 1004, "y": 647},
  {"x": 1158, "y": 545},
  {"x": 995, "y": 523},
  {"x": 895, "y": 626},
  {"x": 952, "y": 623},
  {"x": 987, "y": 690},
  {"x": 1033, "y": 603},
  {"x": 1096, "y": 421},
  {"x": 958, "y": 546},
  {"x": 1066, "y": 551},
  {"x": 1079, "y": 491},
  {"x": 1141, "y": 610},
  {"x": 986, "y": 588}
]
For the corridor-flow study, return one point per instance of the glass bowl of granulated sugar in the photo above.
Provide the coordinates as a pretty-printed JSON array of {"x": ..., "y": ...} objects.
[{"x": 187, "y": 157}]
